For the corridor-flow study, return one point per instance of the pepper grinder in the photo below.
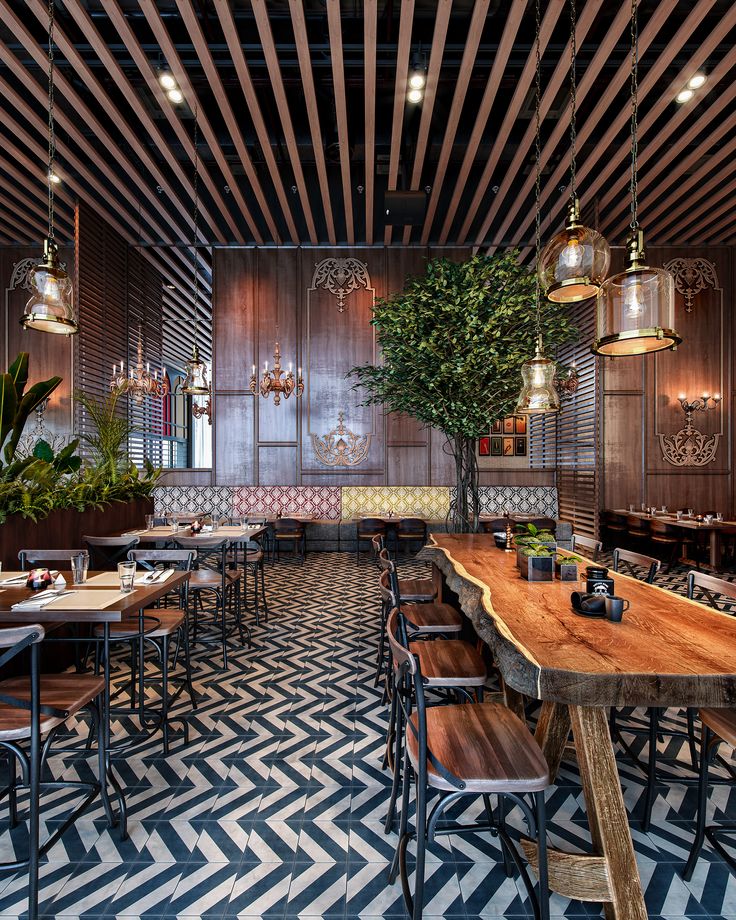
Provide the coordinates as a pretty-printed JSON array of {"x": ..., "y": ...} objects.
[{"x": 509, "y": 535}]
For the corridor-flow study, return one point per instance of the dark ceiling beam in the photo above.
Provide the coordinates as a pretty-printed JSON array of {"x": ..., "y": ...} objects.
[{"x": 370, "y": 28}]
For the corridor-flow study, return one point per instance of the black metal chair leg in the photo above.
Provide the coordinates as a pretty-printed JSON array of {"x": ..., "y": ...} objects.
[
  {"x": 651, "y": 792},
  {"x": 263, "y": 592},
  {"x": 702, "y": 805},
  {"x": 542, "y": 873}
]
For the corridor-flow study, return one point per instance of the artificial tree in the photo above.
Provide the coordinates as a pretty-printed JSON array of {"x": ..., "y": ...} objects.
[{"x": 453, "y": 342}]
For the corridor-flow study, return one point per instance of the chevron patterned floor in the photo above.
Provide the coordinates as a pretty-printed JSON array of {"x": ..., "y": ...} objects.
[{"x": 274, "y": 808}]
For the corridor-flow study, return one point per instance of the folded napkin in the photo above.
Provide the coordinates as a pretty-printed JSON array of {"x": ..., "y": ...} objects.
[
  {"x": 17, "y": 580},
  {"x": 39, "y": 601}
]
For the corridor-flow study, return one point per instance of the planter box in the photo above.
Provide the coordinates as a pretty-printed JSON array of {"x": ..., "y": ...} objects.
[
  {"x": 537, "y": 568},
  {"x": 566, "y": 571},
  {"x": 551, "y": 546}
]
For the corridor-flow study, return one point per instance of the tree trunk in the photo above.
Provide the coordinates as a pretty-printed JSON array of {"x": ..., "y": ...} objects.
[{"x": 465, "y": 506}]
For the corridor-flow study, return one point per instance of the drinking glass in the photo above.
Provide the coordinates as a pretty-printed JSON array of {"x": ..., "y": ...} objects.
[
  {"x": 149, "y": 522},
  {"x": 80, "y": 565},
  {"x": 678, "y": 515},
  {"x": 631, "y": 507},
  {"x": 719, "y": 516},
  {"x": 126, "y": 573},
  {"x": 689, "y": 512},
  {"x": 174, "y": 524},
  {"x": 664, "y": 509},
  {"x": 643, "y": 506}
]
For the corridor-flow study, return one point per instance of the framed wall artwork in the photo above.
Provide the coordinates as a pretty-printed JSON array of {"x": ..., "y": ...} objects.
[
  {"x": 508, "y": 447},
  {"x": 496, "y": 426},
  {"x": 484, "y": 447},
  {"x": 508, "y": 425},
  {"x": 520, "y": 447},
  {"x": 520, "y": 424},
  {"x": 496, "y": 450}
]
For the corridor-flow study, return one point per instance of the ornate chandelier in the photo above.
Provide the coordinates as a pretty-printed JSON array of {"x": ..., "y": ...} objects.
[
  {"x": 139, "y": 382},
  {"x": 271, "y": 381}
]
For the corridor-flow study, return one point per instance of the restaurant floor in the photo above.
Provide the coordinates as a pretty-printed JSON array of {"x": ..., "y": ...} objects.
[{"x": 275, "y": 807}]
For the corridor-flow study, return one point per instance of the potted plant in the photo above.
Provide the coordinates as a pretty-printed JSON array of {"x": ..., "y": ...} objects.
[
  {"x": 566, "y": 566},
  {"x": 536, "y": 562},
  {"x": 529, "y": 535}
]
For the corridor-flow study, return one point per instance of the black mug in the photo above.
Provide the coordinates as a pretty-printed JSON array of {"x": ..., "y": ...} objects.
[{"x": 615, "y": 608}]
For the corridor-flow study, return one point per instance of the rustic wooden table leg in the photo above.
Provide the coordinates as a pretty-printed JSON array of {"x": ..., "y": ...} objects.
[
  {"x": 553, "y": 730},
  {"x": 715, "y": 550},
  {"x": 607, "y": 817}
]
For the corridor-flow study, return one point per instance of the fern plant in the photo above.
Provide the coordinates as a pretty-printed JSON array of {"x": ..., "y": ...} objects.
[{"x": 109, "y": 440}]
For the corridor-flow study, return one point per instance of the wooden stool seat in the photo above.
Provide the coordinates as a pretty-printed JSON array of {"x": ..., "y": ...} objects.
[
  {"x": 66, "y": 692},
  {"x": 169, "y": 620},
  {"x": 721, "y": 722},
  {"x": 416, "y": 590},
  {"x": 429, "y": 618},
  {"x": 253, "y": 556},
  {"x": 484, "y": 745},
  {"x": 210, "y": 578},
  {"x": 450, "y": 663}
]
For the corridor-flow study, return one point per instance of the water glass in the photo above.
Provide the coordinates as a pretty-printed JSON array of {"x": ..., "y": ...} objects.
[
  {"x": 126, "y": 573},
  {"x": 174, "y": 524},
  {"x": 678, "y": 515},
  {"x": 643, "y": 506},
  {"x": 689, "y": 512},
  {"x": 664, "y": 509},
  {"x": 149, "y": 522},
  {"x": 80, "y": 565},
  {"x": 631, "y": 507},
  {"x": 719, "y": 517}
]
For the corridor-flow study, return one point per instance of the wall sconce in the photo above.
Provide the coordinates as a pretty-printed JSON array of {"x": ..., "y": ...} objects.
[{"x": 690, "y": 447}]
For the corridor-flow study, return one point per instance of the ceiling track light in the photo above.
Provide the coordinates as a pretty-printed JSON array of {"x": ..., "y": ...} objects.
[
  {"x": 175, "y": 95},
  {"x": 696, "y": 81},
  {"x": 685, "y": 95},
  {"x": 166, "y": 80},
  {"x": 415, "y": 95},
  {"x": 417, "y": 81}
]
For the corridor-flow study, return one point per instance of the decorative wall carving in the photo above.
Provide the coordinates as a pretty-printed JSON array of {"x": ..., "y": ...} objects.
[
  {"x": 691, "y": 277},
  {"x": 341, "y": 277},
  {"x": 22, "y": 270},
  {"x": 689, "y": 447},
  {"x": 341, "y": 447}
]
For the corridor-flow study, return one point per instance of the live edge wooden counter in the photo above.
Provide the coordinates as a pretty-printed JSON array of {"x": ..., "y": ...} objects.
[{"x": 668, "y": 651}]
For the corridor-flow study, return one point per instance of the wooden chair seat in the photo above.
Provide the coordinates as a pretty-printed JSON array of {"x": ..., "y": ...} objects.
[
  {"x": 254, "y": 556},
  {"x": 432, "y": 618},
  {"x": 169, "y": 620},
  {"x": 450, "y": 663},
  {"x": 288, "y": 534},
  {"x": 416, "y": 590},
  {"x": 483, "y": 744},
  {"x": 209, "y": 578},
  {"x": 721, "y": 722},
  {"x": 67, "y": 692}
]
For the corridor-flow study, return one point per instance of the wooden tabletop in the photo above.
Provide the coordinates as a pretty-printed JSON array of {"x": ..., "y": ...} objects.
[
  {"x": 142, "y": 596},
  {"x": 688, "y": 522},
  {"x": 667, "y": 651},
  {"x": 164, "y": 533}
]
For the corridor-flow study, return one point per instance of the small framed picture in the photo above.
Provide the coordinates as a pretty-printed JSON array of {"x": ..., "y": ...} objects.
[
  {"x": 508, "y": 425},
  {"x": 484, "y": 447},
  {"x": 520, "y": 447},
  {"x": 496, "y": 426},
  {"x": 520, "y": 424},
  {"x": 496, "y": 447},
  {"x": 508, "y": 447}
]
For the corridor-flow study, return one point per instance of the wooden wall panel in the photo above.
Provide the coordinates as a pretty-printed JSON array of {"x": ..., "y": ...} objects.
[
  {"x": 234, "y": 447},
  {"x": 234, "y": 335}
]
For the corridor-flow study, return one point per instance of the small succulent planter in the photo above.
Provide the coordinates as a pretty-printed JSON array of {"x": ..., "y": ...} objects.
[
  {"x": 566, "y": 571},
  {"x": 536, "y": 568},
  {"x": 534, "y": 545}
]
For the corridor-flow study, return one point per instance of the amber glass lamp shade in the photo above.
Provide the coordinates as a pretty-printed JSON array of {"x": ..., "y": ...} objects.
[
  {"x": 51, "y": 305},
  {"x": 636, "y": 308},
  {"x": 574, "y": 262},
  {"x": 538, "y": 394},
  {"x": 195, "y": 382}
]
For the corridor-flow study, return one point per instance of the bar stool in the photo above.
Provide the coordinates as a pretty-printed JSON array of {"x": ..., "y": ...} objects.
[
  {"x": 460, "y": 750},
  {"x": 582, "y": 544},
  {"x": 412, "y": 590},
  {"x": 367, "y": 529},
  {"x": 253, "y": 556},
  {"x": 106, "y": 552}
]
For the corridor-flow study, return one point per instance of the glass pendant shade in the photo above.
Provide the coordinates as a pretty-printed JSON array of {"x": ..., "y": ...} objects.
[
  {"x": 538, "y": 394},
  {"x": 195, "y": 382},
  {"x": 574, "y": 262},
  {"x": 636, "y": 308},
  {"x": 51, "y": 305}
]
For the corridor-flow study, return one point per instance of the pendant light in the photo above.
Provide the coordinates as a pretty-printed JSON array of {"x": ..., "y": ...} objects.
[
  {"x": 575, "y": 262},
  {"x": 538, "y": 395},
  {"x": 51, "y": 305},
  {"x": 195, "y": 382},
  {"x": 636, "y": 307}
]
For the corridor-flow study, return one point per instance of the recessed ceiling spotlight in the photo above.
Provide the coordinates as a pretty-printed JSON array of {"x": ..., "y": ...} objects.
[
  {"x": 176, "y": 96},
  {"x": 54, "y": 178},
  {"x": 696, "y": 81},
  {"x": 417, "y": 80},
  {"x": 685, "y": 95},
  {"x": 415, "y": 95},
  {"x": 166, "y": 80},
  {"x": 171, "y": 287}
]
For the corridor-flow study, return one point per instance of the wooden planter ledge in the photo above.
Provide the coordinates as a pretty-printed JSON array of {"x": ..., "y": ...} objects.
[{"x": 668, "y": 651}]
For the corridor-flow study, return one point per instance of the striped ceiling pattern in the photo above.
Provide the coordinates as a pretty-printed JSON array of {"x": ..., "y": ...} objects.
[{"x": 304, "y": 121}]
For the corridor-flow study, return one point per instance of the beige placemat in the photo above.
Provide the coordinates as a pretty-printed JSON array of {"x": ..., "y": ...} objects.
[
  {"x": 87, "y": 600},
  {"x": 112, "y": 580}
]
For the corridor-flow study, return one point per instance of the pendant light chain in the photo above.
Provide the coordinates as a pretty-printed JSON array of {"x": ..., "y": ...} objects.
[
  {"x": 538, "y": 166},
  {"x": 634, "y": 114},
  {"x": 573, "y": 99},
  {"x": 52, "y": 136},
  {"x": 196, "y": 225}
]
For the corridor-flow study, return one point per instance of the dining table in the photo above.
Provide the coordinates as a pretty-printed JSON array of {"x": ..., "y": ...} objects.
[
  {"x": 667, "y": 651},
  {"x": 165, "y": 533},
  {"x": 715, "y": 530}
]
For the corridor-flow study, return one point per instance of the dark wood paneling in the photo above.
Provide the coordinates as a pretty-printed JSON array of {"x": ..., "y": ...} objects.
[
  {"x": 234, "y": 298},
  {"x": 234, "y": 448},
  {"x": 277, "y": 465}
]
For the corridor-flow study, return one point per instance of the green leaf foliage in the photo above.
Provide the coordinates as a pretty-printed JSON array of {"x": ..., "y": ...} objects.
[{"x": 453, "y": 342}]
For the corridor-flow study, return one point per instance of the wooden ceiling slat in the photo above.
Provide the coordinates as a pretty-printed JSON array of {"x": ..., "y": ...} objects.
[
  {"x": 472, "y": 41},
  {"x": 709, "y": 211},
  {"x": 155, "y": 21},
  {"x": 551, "y": 15},
  {"x": 341, "y": 111},
  {"x": 299, "y": 25},
  {"x": 150, "y": 77},
  {"x": 277, "y": 88},
  {"x": 406, "y": 21},
  {"x": 705, "y": 228},
  {"x": 230, "y": 31},
  {"x": 441, "y": 23},
  {"x": 28, "y": 185},
  {"x": 34, "y": 213},
  {"x": 370, "y": 29},
  {"x": 12, "y": 216},
  {"x": 202, "y": 50}
]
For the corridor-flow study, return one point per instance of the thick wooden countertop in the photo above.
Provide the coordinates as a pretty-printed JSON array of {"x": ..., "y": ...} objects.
[{"x": 667, "y": 651}]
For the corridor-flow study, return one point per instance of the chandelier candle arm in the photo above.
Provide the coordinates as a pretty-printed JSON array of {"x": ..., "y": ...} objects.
[
  {"x": 272, "y": 382},
  {"x": 139, "y": 382}
]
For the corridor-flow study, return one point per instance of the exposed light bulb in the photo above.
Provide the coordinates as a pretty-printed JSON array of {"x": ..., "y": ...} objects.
[
  {"x": 417, "y": 80},
  {"x": 633, "y": 299},
  {"x": 54, "y": 178},
  {"x": 176, "y": 96},
  {"x": 166, "y": 80},
  {"x": 684, "y": 95},
  {"x": 51, "y": 288},
  {"x": 572, "y": 255},
  {"x": 414, "y": 95},
  {"x": 696, "y": 81}
]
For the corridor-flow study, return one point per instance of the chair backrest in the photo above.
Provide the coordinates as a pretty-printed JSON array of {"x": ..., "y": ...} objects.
[
  {"x": 106, "y": 552},
  {"x": 630, "y": 563},
  {"x": 411, "y": 526},
  {"x": 16, "y": 640},
  {"x": 613, "y": 519},
  {"x": 182, "y": 559},
  {"x": 400, "y": 654},
  {"x": 378, "y": 543},
  {"x": 702, "y": 587},
  {"x": 371, "y": 525},
  {"x": 662, "y": 530},
  {"x": 384, "y": 560},
  {"x": 36, "y": 556},
  {"x": 288, "y": 525},
  {"x": 258, "y": 519},
  {"x": 495, "y": 525},
  {"x": 586, "y": 544},
  {"x": 637, "y": 524}
]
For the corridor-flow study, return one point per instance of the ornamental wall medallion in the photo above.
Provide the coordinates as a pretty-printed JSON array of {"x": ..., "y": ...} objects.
[
  {"x": 341, "y": 277},
  {"x": 689, "y": 446},
  {"x": 341, "y": 447},
  {"x": 21, "y": 276},
  {"x": 691, "y": 277}
]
